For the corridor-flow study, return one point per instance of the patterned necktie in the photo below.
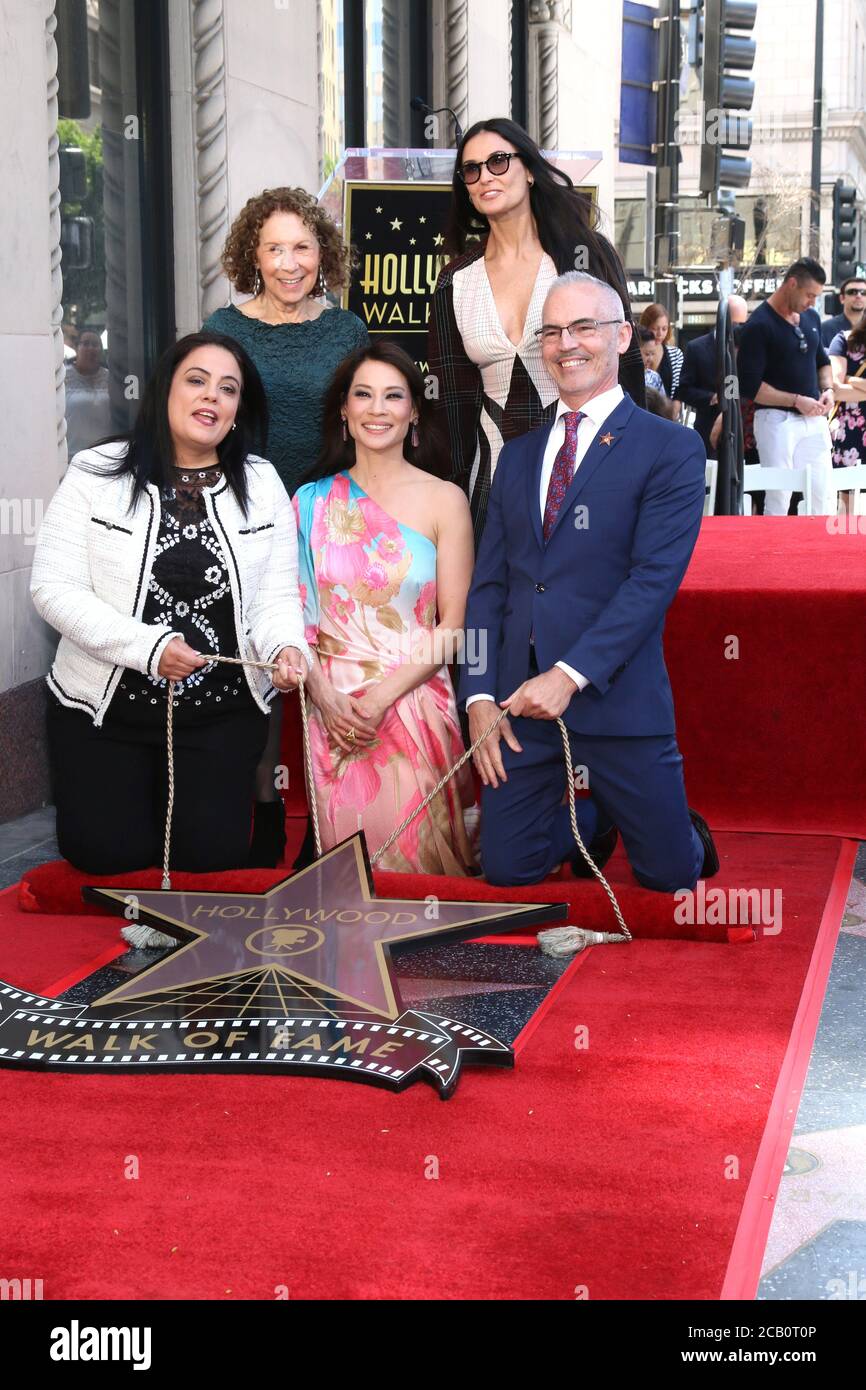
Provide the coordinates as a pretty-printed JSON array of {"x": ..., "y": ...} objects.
[{"x": 563, "y": 471}]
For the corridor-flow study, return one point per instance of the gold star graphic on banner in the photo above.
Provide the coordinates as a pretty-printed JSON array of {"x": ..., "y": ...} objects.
[
  {"x": 396, "y": 225},
  {"x": 369, "y": 236},
  {"x": 438, "y": 239},
  {"x": 411, "y": 241},
  {"x": 378, "y": 209},
  {"x": 422, "y": 220}
]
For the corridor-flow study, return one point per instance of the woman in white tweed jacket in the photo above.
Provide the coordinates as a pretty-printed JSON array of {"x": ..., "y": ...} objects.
[{"x": 158, "y": 549}]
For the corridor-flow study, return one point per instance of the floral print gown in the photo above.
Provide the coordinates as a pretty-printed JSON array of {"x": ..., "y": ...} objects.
[
  {"x": 368, "y": 585},
  {"x": 849, "y": 425}
]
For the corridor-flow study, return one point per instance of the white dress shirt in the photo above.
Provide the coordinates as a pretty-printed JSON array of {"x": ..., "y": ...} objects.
[{"x": 595, "y": 412}]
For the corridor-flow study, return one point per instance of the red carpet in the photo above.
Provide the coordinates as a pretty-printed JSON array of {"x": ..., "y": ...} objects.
[
  {"x": 768, "y": 738},
  {"x": 745, "y": 864},
  {"x": 601, "y": 1168}
]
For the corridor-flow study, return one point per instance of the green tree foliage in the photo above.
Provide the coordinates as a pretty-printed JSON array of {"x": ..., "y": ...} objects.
[{"x": 84, "y": 290}]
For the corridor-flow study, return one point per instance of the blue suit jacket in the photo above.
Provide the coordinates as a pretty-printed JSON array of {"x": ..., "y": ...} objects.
[{"x": 596, "y": 595}]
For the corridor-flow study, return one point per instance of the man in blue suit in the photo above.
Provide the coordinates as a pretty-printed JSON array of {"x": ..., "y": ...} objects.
[{"x": 590, "y": 527}]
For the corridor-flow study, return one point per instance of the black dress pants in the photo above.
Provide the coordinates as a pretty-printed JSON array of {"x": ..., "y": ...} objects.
[{"x": 111, "y": 789}]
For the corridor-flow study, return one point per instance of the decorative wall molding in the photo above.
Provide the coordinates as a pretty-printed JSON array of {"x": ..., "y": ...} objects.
[
  {"x": 320, "y": 90},
  {"x": 457, "y": 58},
  {"x": 211, "y": 148},
  {"x": 51, "y": 87},
  {"x": 547, "y": 19},
  {"x": 390, "y": 84}
]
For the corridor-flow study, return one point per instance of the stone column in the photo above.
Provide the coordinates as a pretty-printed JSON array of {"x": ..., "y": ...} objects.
[
  {"x": 547, "y": 24},
  {"x": 211, "y": 150},
  {"x": 54, "y": 236}
]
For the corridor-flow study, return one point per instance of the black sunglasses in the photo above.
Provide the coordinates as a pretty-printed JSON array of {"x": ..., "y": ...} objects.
[
  {"x": 498, "y": 164},
  {"x": 803, "y": 345}
]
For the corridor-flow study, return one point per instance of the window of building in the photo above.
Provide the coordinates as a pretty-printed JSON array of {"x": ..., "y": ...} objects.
[
  {"x": 115, "y": 189},
  {"x": 773, "y": 228}
]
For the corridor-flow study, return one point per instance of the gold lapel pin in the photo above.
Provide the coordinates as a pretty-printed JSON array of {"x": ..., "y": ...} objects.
[{"x": 606, "y": 439}]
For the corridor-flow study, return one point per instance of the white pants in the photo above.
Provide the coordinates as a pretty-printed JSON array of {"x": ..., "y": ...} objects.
[{"x": 787, "y": 439}]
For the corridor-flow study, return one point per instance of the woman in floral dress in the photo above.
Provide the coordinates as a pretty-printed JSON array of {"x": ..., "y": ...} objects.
[
  {"x": 385, "y": 550},
  {"x": 847, "y": 355}
]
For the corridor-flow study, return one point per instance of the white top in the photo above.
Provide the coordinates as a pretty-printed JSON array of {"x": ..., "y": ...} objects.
[{"x": 488, "y": 345}]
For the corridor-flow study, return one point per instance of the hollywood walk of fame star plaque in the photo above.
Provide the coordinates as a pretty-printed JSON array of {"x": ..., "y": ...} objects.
[{"x": 296, "y": 979}]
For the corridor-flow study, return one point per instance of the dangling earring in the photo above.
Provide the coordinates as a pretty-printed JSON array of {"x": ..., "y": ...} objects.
[
  {"x": 321, "y": 285},
  {"x": 345, "y": 431},
  {"x": 416, "y": 438},
  {"x": 235, "y": 425},
  {"x": 257, "y": 283}
]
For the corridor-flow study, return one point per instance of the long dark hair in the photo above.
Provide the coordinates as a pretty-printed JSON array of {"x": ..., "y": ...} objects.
[
  {"x": 337, "y": 453},
  {"x": 857, "y": 336},
  {"x": 566, "y": 219},
  {"x": 150, "y": 453}
]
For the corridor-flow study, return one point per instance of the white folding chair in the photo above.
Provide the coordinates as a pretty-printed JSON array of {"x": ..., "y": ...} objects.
[
  {"x": 712, "y": 477},
  {"x": 757, "y": 478},
  {"x": 852, "y": 480}
]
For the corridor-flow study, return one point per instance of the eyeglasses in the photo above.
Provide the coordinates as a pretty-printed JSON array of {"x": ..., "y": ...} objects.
[
  {"x": 803, "y": 345},
  {"x": 854, "y": 291},
  {"x": 577, "y": 329},
  {"x": 498, "y": 164}
]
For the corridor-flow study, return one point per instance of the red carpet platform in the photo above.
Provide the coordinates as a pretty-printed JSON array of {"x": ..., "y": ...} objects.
[
  {"x": 747, "y": 862},
  {"x": 601, "y": 1173},
  {"x": 771, "y": 739}
]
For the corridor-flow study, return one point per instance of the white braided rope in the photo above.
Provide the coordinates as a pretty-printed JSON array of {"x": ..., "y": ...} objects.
[{"x": 556, "y": 941}]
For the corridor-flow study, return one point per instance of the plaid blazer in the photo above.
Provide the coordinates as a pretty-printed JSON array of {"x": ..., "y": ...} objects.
[{"x": 458, "y": 404}]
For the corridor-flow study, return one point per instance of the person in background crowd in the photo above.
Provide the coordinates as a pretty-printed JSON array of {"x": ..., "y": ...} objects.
[
  {"x": 88, "y": 408},
  {"x": 158, "y": 549},
  {"x": 655, "y": 317},
  {"x": 386, "y": 559},
  {"x": 285, "y": 251},
  {"x": 699, "y": 383},
  {"x": 852, "y": 294},
  {"x": 651, "y": 352},
  {"x": 783, "y": 366},
  {"x": 657, "y": 403},
  {"x": 486, "y": 311},
  {"x": 847, "y": 353}
]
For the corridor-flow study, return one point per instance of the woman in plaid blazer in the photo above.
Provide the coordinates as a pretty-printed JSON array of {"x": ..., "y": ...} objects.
[{"x": 516, "y": 223}]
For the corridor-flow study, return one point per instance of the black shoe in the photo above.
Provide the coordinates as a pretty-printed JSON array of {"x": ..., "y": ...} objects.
[
  {"x": 269, "y": 835},
  {"x": 601, "y": 848},
  {"x": 307, "y": 853},
  {"x": 711, "y": 854}
]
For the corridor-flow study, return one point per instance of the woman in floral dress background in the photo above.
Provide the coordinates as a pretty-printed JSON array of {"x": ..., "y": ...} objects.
[
  {"x": 385, "y": 549},
  {"x": 847, "y": 354}
]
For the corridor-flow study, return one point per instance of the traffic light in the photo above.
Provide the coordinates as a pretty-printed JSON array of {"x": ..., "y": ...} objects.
[
  {"x": 844, "y": 231},
  {"x": 726, "y": 55}
]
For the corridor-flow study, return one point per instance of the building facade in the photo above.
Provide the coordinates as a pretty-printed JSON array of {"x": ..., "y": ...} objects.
[{"x": 776, "y": 205}]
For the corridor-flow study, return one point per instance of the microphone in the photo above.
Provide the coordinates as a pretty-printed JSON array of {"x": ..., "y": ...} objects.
[{"x": 418, "y": 105}]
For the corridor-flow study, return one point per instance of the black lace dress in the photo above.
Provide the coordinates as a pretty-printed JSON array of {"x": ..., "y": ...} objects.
[{"x": 189, "y": 591}]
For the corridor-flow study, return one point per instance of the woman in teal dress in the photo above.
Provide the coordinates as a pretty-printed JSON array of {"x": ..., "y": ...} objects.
[
  {"x": 285, "y": 251},
  {"x": 385, "y": 553}
]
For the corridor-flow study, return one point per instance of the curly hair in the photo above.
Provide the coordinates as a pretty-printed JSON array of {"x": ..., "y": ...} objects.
[{"x": 239, "y": 253}]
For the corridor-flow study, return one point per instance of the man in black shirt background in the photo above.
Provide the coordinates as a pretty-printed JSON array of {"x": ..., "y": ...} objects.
[
  {"x": 852, "y": 293},
  {"x": 783, "y": 367}
]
